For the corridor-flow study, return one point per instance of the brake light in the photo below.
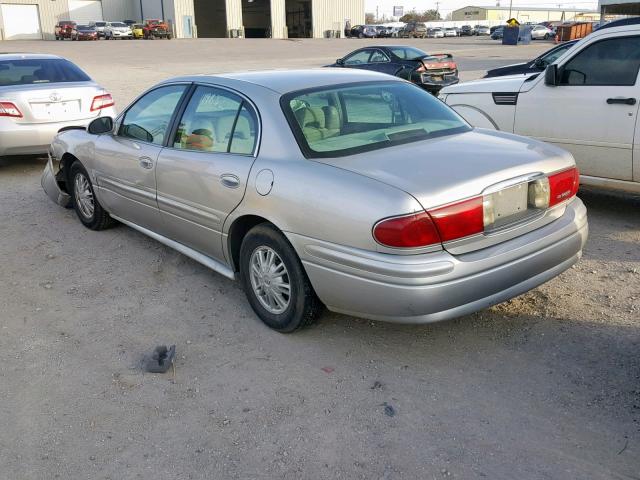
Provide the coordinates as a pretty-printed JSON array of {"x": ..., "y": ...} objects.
[
  {"x": 563, "y": 186},
  {"x": 459, "y": 219},
  {"x": 407, "y": 231},
  {"x": 8, "y": 109},
  {"x": 102, "y": 101}
]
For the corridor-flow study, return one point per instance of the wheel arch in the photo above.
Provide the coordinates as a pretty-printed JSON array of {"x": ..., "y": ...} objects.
[{"x": 237, "y": 231}]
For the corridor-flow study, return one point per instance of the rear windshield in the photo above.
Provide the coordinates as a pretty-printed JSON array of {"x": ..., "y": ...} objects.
[
  {"x": 354, "y": 118},
  {"x": 407, "y": 53},
  {"x": 35, "y": 71}
]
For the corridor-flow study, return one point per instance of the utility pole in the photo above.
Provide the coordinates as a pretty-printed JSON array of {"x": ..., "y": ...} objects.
[{"x": 510, "y": 8}]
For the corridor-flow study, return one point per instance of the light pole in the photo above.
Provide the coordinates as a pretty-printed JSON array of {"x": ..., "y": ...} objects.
[{"x": 510, "y": 7}]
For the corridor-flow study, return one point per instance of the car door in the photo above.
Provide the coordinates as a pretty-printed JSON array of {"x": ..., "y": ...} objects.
[
  {"x": 202, "y": 174},
  {"x": 592, "y": 112},
  {"x": 380, "y": 61},
  {"x": 126, "y": 161}
]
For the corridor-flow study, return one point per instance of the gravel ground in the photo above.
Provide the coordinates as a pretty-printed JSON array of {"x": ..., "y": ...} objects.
[{"x": 546, "y": 386}]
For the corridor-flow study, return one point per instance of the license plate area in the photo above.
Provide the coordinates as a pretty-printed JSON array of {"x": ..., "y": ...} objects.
[
  {"x": 515, "y": 204},
  {"x": 55, "y": 110}
]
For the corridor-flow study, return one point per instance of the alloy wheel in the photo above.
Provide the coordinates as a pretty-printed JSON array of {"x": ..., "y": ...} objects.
[
  {"x": 83, "y": 195},
  {"x": 270, "y": 280}
]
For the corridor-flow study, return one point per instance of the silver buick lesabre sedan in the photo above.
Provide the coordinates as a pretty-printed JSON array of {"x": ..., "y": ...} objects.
[
  {"x": 340, "y": 188},
  {"x": 39, "y": 95}
]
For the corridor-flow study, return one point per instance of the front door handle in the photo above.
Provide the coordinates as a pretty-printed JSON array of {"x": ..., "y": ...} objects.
[
  {"x": 229, "y": 180},
  {"x": 146, "y": 162},
  {"x": 621, "y": 101}
]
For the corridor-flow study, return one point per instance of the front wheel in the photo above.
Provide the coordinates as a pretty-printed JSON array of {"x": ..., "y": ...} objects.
[
  {"x": 85, "y": 203},
  {"x": 275, "y": 282}
]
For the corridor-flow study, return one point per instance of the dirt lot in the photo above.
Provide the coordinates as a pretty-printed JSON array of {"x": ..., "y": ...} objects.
[{"x": 546, "y": 386}]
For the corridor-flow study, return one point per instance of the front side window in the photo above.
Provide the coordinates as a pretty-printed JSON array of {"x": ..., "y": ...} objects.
[
  {"x": 45, "y": 70},
  {"x": 378, "y": 57},
  {"x": 355, "y": 118},
  {"x": 612, "y": 62},
  {"x": 216, "y": 121},
  {"x": 149, "y": 118},
  {"x": 358, "y": 58}
]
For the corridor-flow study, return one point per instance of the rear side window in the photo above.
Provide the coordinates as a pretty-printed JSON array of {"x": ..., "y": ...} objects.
[
  {"x": 612, "y": 62},
  {"x": 34, "y": 71}
]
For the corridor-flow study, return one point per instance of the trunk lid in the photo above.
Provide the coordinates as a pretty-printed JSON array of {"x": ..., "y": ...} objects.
[
  {"x": 53, "y": 102},
  {"x": 445, "y": 170}
]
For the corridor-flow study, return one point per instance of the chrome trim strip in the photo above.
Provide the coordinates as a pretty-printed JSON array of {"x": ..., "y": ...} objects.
[{"x": 209, "y": 262}]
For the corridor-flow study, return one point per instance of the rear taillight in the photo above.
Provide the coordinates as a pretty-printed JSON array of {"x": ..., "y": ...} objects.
[
  {"x": 8, "y": 109},
  {"x": 407, "y": 231},
  {"x": 472, "y": 216},
  {"x": 459, "y": 219},
  {"x": 102, "y": 101},
  {"x": 563, "y": 186}
]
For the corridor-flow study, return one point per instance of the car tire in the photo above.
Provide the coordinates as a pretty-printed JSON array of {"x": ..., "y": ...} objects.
[
  {"x": 360, "y": 35},
  {"x": 89, "y": 211},
  {"x": 546, "y": 36},
  {"x": 265, "y": 246}
]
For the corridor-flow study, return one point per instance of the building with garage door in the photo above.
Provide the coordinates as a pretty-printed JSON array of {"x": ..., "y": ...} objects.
[{"x": 36, "y": 19}]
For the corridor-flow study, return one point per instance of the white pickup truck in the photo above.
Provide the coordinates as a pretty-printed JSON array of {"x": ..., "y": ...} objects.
[{"x": 585, "y": 102}]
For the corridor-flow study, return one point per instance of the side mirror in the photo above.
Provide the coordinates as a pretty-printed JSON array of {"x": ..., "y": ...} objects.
[
  {"x": 340, "y": 61},
  {"x": 551, "y": 76},
  {"x": 100, "y": 125}
]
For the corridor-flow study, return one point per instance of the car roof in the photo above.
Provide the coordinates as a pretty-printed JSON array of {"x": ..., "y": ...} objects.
[
  {"x": 26, "y": 56},
  {"x": 284, "y": 81}
]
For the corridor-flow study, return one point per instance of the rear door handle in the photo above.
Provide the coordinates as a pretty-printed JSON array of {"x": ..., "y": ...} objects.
[
  {"x": 621, "y": 101},
  {"x": 229, "y": 180},
  {"x": 146, "y": 162}
]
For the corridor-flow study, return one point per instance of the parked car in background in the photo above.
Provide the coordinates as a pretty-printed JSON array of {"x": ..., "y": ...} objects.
[
  {"x": 99, "y": 27},
  {"x": 363, "y": 31},
  {"x": 155, "y": 28},
  {"x": 494, "y": 28},
  {"x": 117, "y": 30},
  {"x": 39, "y": 95},
  {"x": 540, "y": 32},
  {"x": 498, "y": 33},
  {"x": 381, "y": 31},
  {"x": 64, "y": 29},
  {"x": 84, "y": 32},
  {"x": 467, "y": 30},
  {"x": 482, "y": 30},
  {"x": 137, "y": 30},
  {"x": 442, "y": 219},
  {"x": 435, "y": 33},
  {"x": 129, "y": 23},
  {"x": 450, "y": 32},
  {"x": 431, "y": 72},
  {"x": 585, "y": 102},
  {"x": 394, "y": 31},
  {"x": 536, "y": 65},
  {"x": 414, "y": 30}
]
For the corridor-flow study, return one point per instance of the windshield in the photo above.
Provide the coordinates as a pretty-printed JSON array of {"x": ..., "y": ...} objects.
[
  {"x": 552, "y": 56},
  {"x": 354, "y": 118},
  {"x": 407, "y": 52},
  {"x": 101, "y": 24},
  {"x": 36, "y": 71},
  {"x": 118, "y": 24}
]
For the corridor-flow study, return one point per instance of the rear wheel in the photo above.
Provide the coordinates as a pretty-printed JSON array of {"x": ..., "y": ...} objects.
[
  {"x": 275, "y": 282},
  {"x": 86, "y": 205}
]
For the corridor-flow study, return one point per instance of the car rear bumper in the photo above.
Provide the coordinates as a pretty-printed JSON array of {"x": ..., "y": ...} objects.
[
  {"x": 438, "y": 286},
  {"x": 35, "y": 138}
]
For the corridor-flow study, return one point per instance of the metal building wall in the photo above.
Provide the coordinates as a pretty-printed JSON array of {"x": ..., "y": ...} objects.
[
  {"x": 175, "y": 11},
  {"x": 234, "y": 14},
  {"x": 50, "y": 13},
  {"x": 332, "y": 14},
  {"x": 278, "y": 19}
]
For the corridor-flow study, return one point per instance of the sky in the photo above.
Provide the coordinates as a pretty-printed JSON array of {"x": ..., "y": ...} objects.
[{"x": 446, "y": 6}]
